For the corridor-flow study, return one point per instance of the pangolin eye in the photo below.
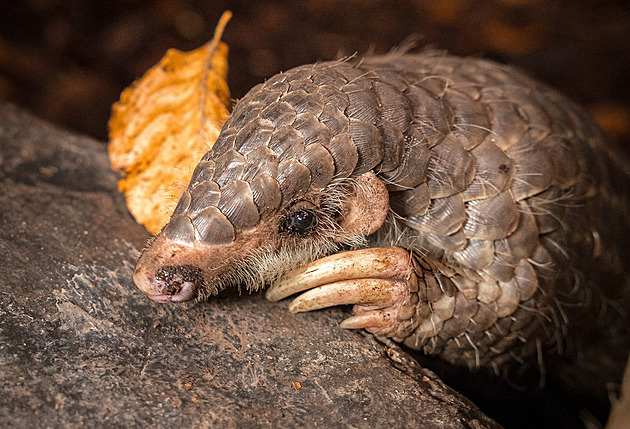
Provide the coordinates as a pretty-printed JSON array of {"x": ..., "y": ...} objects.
[{"x": 299, "y": 222}]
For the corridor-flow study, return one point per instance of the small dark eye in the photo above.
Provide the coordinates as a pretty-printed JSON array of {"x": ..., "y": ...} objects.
[{"x": 299, "y": 222}]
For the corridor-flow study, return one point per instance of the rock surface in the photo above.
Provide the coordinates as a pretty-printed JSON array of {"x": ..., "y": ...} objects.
[{"x": 79, "y": 345}]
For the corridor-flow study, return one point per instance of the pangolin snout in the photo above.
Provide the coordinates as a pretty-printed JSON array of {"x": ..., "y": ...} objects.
[{"x": 173, "y": 283}]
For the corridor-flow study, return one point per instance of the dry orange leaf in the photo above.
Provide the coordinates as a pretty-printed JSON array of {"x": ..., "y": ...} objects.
[{"x": 164, "y": 123}]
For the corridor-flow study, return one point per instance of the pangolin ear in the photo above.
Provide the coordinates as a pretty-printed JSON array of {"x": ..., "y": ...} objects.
[{"x": 365, "y": 211}]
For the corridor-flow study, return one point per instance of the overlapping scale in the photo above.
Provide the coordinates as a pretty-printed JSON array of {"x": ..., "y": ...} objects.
[
  {"x": 205, "y": 194},
  {"x": 477, "y": 255},
  {"x": 454, "y": 242},
  {"x": 494, "y": 171},
  {"x": 328, "y": 77},
  {"x": 393, "y": 146},
  {"x": 471, "y": 119},
  {"x": 534, "y": 169},
  {"x": 237, "y": 204},
  {"x": 279, "y": 114},
  {"x": 228, "y": 167},
  {"x": 451, "y": 168},
  {"x": 334, "y": 97},
  {"x": 444, "y": 216},
  {"x": 261, "y": 160},
  {"x": 182, "y": 204},
  {"x": 203, "y": 172},
  {"x": 414, "y": 201},
  {"x": 305, "y": 84},
  {"x": 242, "y": 116},
  {"x": 320, "y": 163},
  {"x": 369, "y": 144},
  {"x": 287, "y": 143},
  {"x": 394, "y": 106},
  {"x": 311, "y": 129},
  {"x": 363, "y": 104},
  {"x": 345, "y": 154},
  {"x": 225, "y": 141},
  {"x": 507, "y": 126},
  {"x": 432, "y": 117},
  {"x": 268, "y": 96},
  {"x": 179, "y": 230},
  {"x": 412, "y": 170},
  {"x": 491, "y": 218},
  {"x": 266, "y": 193},
  {"x": 303, "y": 102},
  {"x": 294, "y": 179},
  {"x": 334, "y": 119},
  {"x": 254, "y": 134},
  {"x": 211, "y": 227}
]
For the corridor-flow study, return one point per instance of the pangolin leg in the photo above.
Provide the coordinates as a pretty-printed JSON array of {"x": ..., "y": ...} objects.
[{"x": 380, "y": 282}]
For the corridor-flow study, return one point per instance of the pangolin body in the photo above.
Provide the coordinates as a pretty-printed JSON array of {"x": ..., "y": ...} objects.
[{"x": 509, "y": 199}]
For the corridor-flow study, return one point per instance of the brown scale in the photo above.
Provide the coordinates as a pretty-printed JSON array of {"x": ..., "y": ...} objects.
[{"x": 500, "y": 199}]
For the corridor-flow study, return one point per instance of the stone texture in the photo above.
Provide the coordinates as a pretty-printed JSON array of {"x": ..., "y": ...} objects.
[{"x": 79, "y": 345}]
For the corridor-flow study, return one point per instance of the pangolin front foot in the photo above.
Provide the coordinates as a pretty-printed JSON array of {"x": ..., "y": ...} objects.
[{"x": 380, "y": 282}]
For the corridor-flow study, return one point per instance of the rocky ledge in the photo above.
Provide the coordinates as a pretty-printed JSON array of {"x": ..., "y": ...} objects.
[{"x": 80, "y": 346}]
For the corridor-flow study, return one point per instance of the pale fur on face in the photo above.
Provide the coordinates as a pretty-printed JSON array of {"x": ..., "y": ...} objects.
[{"x": 268, "y": 263}]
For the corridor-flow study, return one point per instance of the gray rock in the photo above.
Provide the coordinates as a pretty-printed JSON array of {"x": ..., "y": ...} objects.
[{"x": 80, "y": 346}]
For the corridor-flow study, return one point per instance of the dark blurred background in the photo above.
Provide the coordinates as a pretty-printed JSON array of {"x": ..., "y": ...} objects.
[{"x": 68, "y": 61}]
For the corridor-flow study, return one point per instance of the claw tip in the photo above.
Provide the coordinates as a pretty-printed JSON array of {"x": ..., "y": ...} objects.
[
  {"x": 271, "y": 296},
  {"x": 294, "y": 307},
  {"x": 344, "y": 325}
]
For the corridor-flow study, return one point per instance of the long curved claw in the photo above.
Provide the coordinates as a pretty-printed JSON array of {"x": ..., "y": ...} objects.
[
  {"x": 380, "y": 282},
  {"x": 372, "y": 291},
  {"x": 379, "y": 263}
]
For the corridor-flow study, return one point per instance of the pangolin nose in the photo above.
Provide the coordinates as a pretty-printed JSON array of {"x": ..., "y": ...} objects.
[
  {"x": 170, "y": 289},
  {"x": 176, "y": 283}
]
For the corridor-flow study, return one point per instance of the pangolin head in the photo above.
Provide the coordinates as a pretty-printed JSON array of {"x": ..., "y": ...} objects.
[{"x": 286, "y": 182}]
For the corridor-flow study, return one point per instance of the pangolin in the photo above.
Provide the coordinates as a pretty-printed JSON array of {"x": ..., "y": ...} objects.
[{"x": 465, "y": 210}]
